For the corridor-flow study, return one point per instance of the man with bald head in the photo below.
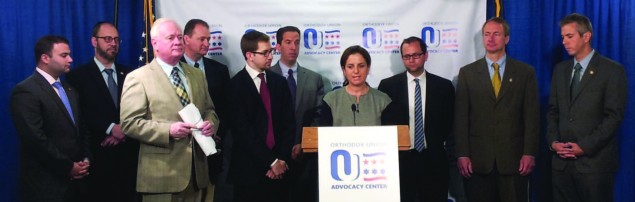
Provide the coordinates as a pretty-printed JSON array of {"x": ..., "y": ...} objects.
[{"x": 172, "y": 166}]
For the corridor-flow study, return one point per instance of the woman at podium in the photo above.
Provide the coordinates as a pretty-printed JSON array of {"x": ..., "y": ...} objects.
[{"x": 355, "y": 104}]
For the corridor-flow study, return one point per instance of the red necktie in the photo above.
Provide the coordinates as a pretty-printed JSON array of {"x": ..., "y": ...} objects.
[{"x": 266, "y": 100}]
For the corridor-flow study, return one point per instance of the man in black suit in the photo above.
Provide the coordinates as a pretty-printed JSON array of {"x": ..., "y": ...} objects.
[
  {"x": 54, "y": 154},
  {"x": 196, "y": 44},
  {"x": 262, "y": 125},
  {"x": 586, "y": 106},
  {"x": 424, "y": 168},
  {"x": 98, "y": 83}
]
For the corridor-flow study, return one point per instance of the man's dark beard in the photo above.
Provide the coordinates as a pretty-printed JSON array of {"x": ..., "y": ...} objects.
[{"x": 105, "y": 55}]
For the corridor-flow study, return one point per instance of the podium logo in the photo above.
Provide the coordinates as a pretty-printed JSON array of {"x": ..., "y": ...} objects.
[
  {"x": 441, "y": 39},
  {"x": 215, "y": 43},
  {"x": 348, "y": 167},
  {"x": 383, "y": 41},
  {"x": 317, "y": 39}
]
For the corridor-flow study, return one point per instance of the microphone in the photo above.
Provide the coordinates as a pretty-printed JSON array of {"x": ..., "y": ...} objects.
[{"x": 355, "y": 109}]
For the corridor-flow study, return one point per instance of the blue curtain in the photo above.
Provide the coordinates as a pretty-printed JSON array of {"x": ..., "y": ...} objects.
[
  {"x": 23, "y": 22},
  {"x": 535, "y": 39}
]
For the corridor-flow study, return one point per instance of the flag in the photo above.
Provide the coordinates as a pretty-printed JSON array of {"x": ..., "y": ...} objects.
[{"x": 145, "y": 48}]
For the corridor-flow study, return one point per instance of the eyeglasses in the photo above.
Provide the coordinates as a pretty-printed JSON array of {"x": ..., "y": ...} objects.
[
  {"x": 266, "y": 53},
  {"x": 414, "y": 55},
  {"x": 109, "y": 39}
]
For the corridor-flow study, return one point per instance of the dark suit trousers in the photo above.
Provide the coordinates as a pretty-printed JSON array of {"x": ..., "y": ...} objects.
[
  {"x": 495, "y": 187},
  {"x": 423, "y": 176},
  {"x": 266, "y": 191},
  {"x": 571, "y": 185}
]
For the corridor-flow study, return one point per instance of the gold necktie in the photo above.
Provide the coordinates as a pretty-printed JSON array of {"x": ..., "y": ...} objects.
[{"x": 496, "y": 81}]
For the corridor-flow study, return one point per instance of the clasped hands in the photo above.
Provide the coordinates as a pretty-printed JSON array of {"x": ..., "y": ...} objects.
[
  {"x": 567, "y": 150},
  {"x": 80, "y": 169},
  {"x": 277, "y": 170}
]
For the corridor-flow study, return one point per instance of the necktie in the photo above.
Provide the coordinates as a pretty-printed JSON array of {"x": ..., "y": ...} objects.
[
  {"x": 266, "y": 100},
  {"x": 196, "y": 64},
  {"x": 179, "y": 87},
  {"x": 292, "y": 85},
  {"x": 420, "y": 137},
  {"x": 575, "y": 81},
  {"x": 496, "y": 81},
  {"x": 112, "y": 87},
  {"x": 67, "y": 104}
]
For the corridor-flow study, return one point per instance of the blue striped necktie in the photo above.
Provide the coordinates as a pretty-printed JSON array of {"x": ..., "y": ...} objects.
[{"x": 419, "y": 133}]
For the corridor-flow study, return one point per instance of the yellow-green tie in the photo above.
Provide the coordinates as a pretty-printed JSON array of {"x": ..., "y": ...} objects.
[{"x": 496, "y": 81}]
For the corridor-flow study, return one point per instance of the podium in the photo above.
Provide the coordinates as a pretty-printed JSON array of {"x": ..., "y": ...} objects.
[{"x": 310, "y": 138}]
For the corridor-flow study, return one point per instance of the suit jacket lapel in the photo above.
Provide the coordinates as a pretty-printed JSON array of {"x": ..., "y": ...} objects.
[
  {"x": 157, "y": 72},
  {"x": 95, "y": 75},
  {"x": 121, "y": 77},
  {"x": 301, "y": 84},
  {"x": 587, "y": 76},
  {"x": 402, "y": 90},
  {"x": 507, "y": 82},
  {"x": 193, "y": 85},
  {"x": 486, "y": 81},
  {"x": 48, "y": 88}
]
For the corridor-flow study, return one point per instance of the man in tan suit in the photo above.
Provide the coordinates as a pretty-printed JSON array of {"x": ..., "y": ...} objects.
[
  {"x": 496, "y": 121},
  {"x": 172, "y": 166}
]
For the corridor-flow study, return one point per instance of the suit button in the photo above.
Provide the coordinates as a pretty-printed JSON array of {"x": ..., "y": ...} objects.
[{"x": 570, "y": 119}]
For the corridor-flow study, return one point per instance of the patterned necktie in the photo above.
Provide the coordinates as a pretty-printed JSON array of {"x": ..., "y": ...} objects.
[
  {"x": 179, "y": 87},
  {"x": 575, "y": 81},
  {"x": 292, "y": 85},
  {"x": 496, "y": 80},
  {"x": 266, "y": 100},
  {"x": 112, "y": 86},
  {"x": 420, "y": 137},
  {"x": 67, "y": 104}
]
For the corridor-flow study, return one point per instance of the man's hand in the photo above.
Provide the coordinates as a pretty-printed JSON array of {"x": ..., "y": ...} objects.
[
  {"x": 79, "y": 170},
  {"x": 280, "y": 167},
  {"x": 527, "y": 163},
  {"x": 567, "y": 150},
  {"x": 180, "y": 130},
  {"x": 272, "y": 176},
  {"x": 465, "y": 166},
  {"x": 117, "y": 132},
  {"x": 207, "y": 128},
  {"x": 110, "y": 141},
  {"x": 296, "y": 152}
]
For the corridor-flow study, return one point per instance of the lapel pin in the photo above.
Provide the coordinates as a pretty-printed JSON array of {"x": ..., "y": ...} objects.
[
  {"x": 511, "y": 80},
  {"x": 591, "y": 72}
]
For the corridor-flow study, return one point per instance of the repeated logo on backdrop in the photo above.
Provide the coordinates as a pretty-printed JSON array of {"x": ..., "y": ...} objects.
[
  {"x": 215, "y": 43},
  {"x": 321, "y": 39},
  {"x": 441, "y": 37}
]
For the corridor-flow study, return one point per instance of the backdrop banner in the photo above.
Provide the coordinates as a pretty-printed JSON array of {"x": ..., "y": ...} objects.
[{"x": 451, "y": 29}]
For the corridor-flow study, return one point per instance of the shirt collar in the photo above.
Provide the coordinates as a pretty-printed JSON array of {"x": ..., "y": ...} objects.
[
  {"x": 46, "y": 76},
  {"x": 168, "y": 68},
  {"x": 252, "y": 72},
  {"x": 410, "y": 77},
  {"x": 285, "y": 69},
  {"x": 191, "y": 62},
  {"x": 585, "y": 61},
  {"x": 501, "y": 62},
  {"x": 102, "y": 67}
]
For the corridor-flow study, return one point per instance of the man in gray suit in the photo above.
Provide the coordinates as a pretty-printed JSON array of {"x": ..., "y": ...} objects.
[
  {"x": 496, "y": 121},
  {"x": 307, "y": 89},
  {"x": 586, "y": 107}
]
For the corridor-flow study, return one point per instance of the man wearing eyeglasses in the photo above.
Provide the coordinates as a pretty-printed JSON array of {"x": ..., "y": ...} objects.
[
  {"x": 424, "y": 168},
  {"x": 99, "y": 83},
  {"x": 496, "y": 123},
  {"x": 263, "y": 125}
]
